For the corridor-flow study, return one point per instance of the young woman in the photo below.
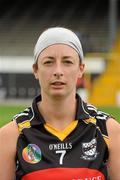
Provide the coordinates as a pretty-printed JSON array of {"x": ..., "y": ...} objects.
[{"x": 60, "y": 137}]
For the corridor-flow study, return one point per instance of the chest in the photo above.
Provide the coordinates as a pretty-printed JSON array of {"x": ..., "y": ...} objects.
[{"x": 81, "y": 154}]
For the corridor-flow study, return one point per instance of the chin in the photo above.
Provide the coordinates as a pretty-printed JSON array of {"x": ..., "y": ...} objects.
[{"x": 58, "y": 94}]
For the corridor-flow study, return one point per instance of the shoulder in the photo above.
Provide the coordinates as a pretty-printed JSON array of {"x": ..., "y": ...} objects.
[
  {"x": 10, "y": 128},
  {"x": 23, "y": 119},
  {"x": 8, "y": 141},
  {"x": 9, "y": 134},
  {"x": 113, "y": 128},
  {"x": 100, "y": 116},
  {"x": 112, "y": 125},
  {"x": 97, "y": 113},
  {"x": 24, "y": 115}
]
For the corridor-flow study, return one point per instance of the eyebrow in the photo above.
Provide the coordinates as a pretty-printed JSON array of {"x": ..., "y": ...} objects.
[
  {"x": 66, "y": 57},
  {"x": 52, "y": 57},
  {"x": 49, "y": 57}
]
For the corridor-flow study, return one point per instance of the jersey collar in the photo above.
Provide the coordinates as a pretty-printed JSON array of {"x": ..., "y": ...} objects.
[{"x": 81, "y": 111}]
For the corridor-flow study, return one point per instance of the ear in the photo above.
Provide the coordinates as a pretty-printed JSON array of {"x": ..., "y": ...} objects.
[
  {"x": 35, "y": 70},
  {"x": 81, "y": 70}
]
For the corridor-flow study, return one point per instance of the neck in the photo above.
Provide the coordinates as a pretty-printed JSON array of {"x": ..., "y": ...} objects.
[{"x": 60, "y": 112}]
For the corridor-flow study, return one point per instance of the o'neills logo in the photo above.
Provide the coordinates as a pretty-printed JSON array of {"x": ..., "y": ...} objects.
[
  {"x": 60, "y": 146},
  {"x": 90, "y": 178}
]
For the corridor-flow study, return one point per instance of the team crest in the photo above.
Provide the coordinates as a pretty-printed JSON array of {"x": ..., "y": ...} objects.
[
  {"x": 32, "y": 154},
  {"x": 89, "y": 150}
]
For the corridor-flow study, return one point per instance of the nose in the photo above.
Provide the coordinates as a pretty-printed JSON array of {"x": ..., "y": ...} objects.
[
  {"x": 58, "y": 75},
  {"x": 58, "y": 72}
]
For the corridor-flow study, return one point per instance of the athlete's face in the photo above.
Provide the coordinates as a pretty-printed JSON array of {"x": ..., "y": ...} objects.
[{"x": 57, "y": 70}]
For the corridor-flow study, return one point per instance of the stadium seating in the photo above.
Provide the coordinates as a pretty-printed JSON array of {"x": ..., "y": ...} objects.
[
  {"x": 107, "y": 87},
  {"x": 22, "y": 21}
]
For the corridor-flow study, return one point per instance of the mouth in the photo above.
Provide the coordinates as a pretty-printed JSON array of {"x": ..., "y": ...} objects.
[{"x": 57, "y": 84}]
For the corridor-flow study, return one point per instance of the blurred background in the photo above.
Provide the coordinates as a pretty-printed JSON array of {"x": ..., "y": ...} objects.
[{"x": 96, "y": 23}]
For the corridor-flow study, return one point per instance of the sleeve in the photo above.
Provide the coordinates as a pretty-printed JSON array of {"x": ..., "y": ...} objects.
[
  {"x": 22, "y": 119},
  {"x": 101, "y": 118}
]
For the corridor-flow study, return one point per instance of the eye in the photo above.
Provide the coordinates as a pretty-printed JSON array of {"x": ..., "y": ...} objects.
[
  {"x": 68, "y": 62},
  {"x": 48, "y": 62}
]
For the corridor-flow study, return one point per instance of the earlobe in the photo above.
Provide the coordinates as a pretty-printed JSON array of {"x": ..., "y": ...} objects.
[
  {"x": 81, "y": 70},
  {"x": 80, "y": 75},
  {"x": 35, "y": 71},
  {"x": 36, "y": 77}
]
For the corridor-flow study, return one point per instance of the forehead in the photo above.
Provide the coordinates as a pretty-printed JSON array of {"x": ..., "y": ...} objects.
[{"x": 59, "y": 49}]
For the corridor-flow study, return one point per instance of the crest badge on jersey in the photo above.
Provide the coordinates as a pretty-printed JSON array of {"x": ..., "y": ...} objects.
[
  {"x": 32, "y": 154},
  {"x": 89, "y": 150}
]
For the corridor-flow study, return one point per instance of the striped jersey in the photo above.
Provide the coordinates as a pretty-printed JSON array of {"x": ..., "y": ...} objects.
[{"x": 79, "y": 152}]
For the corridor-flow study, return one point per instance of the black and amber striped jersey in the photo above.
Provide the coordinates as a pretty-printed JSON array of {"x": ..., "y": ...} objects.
[{"x": 79, "y": 152}]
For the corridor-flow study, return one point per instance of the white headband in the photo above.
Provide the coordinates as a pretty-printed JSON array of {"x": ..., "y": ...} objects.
[{"x": 57, "y": 35}]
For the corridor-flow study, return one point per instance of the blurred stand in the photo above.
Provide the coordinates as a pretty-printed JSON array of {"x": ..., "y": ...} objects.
[{"x": 95, "y": 22}]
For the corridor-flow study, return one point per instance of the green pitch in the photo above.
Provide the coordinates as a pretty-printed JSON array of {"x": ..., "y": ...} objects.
[{"x": 7, "y": 112}]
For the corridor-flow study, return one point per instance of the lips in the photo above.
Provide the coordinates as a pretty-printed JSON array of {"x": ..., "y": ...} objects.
[{"x": 57, "y": 83}]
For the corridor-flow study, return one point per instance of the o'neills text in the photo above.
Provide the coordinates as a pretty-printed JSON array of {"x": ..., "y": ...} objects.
[{"x": 60, "y": 146}]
